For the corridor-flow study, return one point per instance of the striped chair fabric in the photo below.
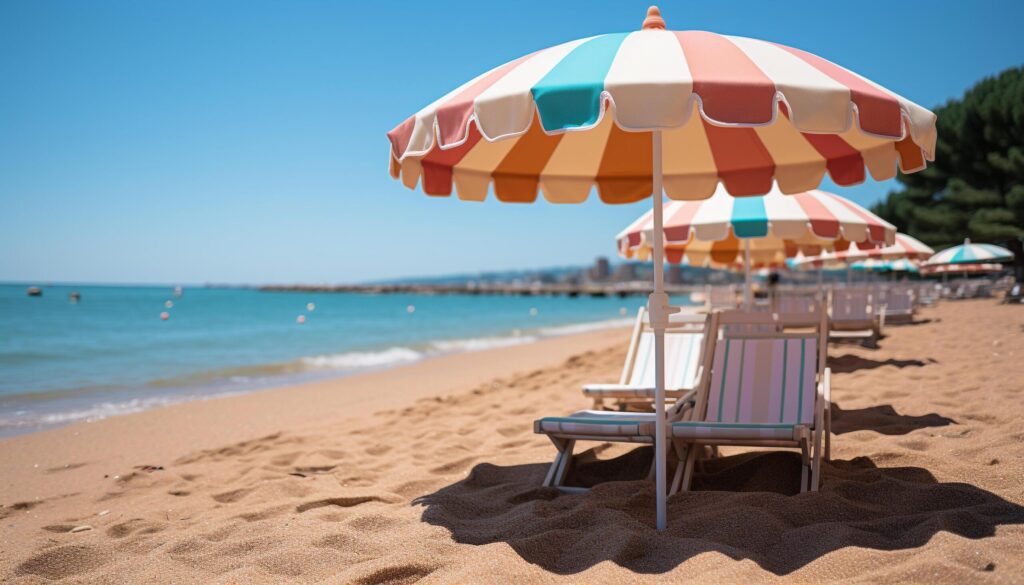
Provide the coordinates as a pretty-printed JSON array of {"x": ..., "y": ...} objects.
[
  {"x": 795, "y": 304},
  {"x": 760, "y": 389},
  {"x": 899, "y": 301},
  {"x": 599, "y": 423},
  {"x": 682, "y": 357},
  {"x": 851, "y": 305}
]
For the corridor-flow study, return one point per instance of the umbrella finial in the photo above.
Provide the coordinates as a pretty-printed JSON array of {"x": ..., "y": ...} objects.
[{"x": 654, "y": 19}]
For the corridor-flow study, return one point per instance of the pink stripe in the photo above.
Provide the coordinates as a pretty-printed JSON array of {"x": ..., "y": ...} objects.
[
  {"x": 823, "y": 223},
  {"x": 677, "y": 227},
  {"x": 879, "y": 111},
  {"x": 453, "y": 116},
  {"x": 876, "y": 231},
  {"x": 400, "y": 136},
  {"x": 437, "y": 165},
  {"x": 731, "y": 87}
]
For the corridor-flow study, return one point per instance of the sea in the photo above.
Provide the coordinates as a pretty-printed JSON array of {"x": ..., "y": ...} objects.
[{"x": 120, "y": 349}]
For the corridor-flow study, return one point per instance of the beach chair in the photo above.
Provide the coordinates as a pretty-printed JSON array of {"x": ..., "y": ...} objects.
[
  {"x": 610, "y": 426},
  {"x": 635, "y": 389},
  {"x": 795, "y": 303},
  {"x": 720, "y": 298},
  {"x": 899, "y": 305},
  {"x": 761, "y": 390},
  {"x": 853, "y": 314}
]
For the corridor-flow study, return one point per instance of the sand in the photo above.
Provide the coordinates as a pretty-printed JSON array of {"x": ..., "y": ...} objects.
[{"x": 431, "y": 472}]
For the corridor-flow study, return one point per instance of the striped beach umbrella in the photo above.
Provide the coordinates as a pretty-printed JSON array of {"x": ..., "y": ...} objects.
[
  {"x": 874, "y": 265},
  {"x": 970, "y": 253},
  {"x": 982, "y": 268},
  {"x": 750, "y": 232},
  {"x": 659, "y": 112},
  {"x": 904, "y": 247}
]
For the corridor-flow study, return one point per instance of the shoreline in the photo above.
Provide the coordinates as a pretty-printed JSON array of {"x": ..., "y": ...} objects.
[
  {"x": 33, "y": 412},
  {"x": 256, "y": 413}
]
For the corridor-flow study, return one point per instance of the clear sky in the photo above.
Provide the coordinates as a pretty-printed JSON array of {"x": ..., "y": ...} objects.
[{"x": 243, "y": 142}]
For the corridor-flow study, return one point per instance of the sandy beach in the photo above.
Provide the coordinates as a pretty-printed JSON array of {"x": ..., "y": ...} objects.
[{"x": 431, "y": 472}]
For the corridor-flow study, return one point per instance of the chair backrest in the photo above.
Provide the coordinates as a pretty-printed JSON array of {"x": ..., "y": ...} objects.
[
  {"x": 899, "y": 300},
  {"x": 720, "y": 297},
  {"x": 684, "y": 340},
  {"x": 764, "y": 377},
  {"x": 852, "y": 305},
  {"x": 796, "y": 303}
]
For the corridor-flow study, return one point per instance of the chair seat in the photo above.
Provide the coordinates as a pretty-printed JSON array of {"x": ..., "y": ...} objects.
[
  {"x": 598, "y": 423},
  {"x": 716, "y": 431},
  {"x": 627, "y": 391}
]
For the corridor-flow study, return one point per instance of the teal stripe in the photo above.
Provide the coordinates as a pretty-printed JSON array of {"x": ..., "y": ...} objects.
[
  {"x": 785, "y": 354},
  {"x": 569, "y": 96},
  {"x": 963, "y": 254},
  {"x": 725, "y": 372},
  {"x": 590, "y": 421},
  {"x": 739, "y": 386},
  {"x": 996, "y": 252},
  {"x": 733, "y": 425},
  {"x": 800, "y": 404},
  {"x": 749, "y": 219}
]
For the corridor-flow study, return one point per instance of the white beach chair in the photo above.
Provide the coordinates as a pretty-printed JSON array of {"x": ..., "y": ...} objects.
[
  {"x": 761, "y": 390},
  {"x": 899, "y": 305},
  {"x": 854, "y": 315},
  {"x": 795, "y": 303},
  {"x": 721, "y": 297},
  {"x": 683, "y": 342},
  {"x": 610, "y": 426}
]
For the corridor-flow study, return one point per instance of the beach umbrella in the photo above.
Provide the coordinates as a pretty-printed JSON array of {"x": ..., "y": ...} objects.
[
  {"x": 752, "y": 232},
  {"x": 905, "y": 247},
  {"x": 874, "y": 265},
  {"x": 970, "y": 253},
  {"x": 944, "y": 269},
  {"x": 659, "y": 112}
]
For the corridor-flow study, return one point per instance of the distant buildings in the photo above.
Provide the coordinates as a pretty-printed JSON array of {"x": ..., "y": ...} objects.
[{"x": 600, "y": 271}]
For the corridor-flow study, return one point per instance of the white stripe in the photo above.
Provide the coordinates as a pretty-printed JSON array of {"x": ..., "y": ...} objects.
[
  {"x": 851, "y": 225},
  {"x": 506, "y": 108},
  {"x": 788, "y": 219},
  {"x": 650, "y": 81},
  {"x": 816, "y": 101},
  {"x": 712, "y": 220}
]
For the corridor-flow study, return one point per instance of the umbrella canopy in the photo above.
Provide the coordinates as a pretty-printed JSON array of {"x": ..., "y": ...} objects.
[
  {"x": 969, "y": 253},
  {"x": 873, "y": 265},
  {"x": 664, "y": 112},
  {"x": 904, "y": 247},
  {"x": 960, "y": 269},
  {"x": 713, "y": 232},
  {"x": 733, "y": 110}
]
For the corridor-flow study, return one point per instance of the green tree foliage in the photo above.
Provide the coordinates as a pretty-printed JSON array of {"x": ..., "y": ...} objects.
[{"x": 975, "y": 187}]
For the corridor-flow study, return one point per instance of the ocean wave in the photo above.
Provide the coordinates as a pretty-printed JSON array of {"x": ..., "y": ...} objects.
[
  {"x": 28, "y": 419},
  {"x": 480, "y": 343},
  {"x": 363, "y": 359}
]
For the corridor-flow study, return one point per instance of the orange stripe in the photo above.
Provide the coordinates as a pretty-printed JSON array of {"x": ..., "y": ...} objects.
[
  {"x": 625, "y": 172},
  {"x": 823, "y": 223},
  {"x": 911, "y": 157},
  {"x": 517, "y": 176},
  {"x": 744, "y": 164}
]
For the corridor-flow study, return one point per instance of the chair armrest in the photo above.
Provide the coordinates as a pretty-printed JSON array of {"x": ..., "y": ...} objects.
[{"x": 824, "y": 398}]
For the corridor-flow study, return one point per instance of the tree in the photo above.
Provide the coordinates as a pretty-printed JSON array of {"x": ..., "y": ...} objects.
[{"x": 975, "y": 187}]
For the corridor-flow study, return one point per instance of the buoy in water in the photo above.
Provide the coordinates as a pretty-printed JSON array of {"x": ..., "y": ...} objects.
[
  {"x": 410, "y": 309},
  {"x": 623, "y": 311},
  {"x": 533, "y": 311},
  {"x": 169, "y": 303},
  {"x": 165, "y": 316},
  {"x": 177, "y": 291},
  {"x": 74, "y": 296},
  {"x": 300, "y": 319},
  {"x": 310, "y": 307}
]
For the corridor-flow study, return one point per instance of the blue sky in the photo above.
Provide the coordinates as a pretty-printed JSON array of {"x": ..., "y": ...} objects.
[{"x": 243, "y": 142}]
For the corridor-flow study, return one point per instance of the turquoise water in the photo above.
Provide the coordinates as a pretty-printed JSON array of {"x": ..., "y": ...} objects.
[{"x": 111, "y": 353}]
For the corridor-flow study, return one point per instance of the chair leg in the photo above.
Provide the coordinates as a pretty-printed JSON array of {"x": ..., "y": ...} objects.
[
  {"x": 828, "y": 434},
  {"x": 552, "y": 470},
  {"x": 691, "y": 456},
  {"x": 566, "y": 460},
  {"x": 677, "y": 477},
  {"x": 805, "y": 464},
  {"x": 816, "y": 461}
]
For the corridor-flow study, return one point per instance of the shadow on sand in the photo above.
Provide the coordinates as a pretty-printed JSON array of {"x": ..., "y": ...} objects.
[
  {"x": 849, "y": 362},
  {"x": 883, "y": 419},
  {"x": 744, "y": 506}
]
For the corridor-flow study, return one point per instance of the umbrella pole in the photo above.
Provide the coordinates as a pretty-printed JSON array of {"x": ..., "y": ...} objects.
[
  {"x": 659, "y": 310},
  {"x": 747, "y": 293}
]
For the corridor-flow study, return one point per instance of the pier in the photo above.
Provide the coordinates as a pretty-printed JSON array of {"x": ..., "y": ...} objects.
[{"x": 617, "y": 289}]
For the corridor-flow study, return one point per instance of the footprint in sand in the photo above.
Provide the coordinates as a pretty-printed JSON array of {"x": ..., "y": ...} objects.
[
  {"x": 134, "y": 526},
  {"x": 341, "y": 502},
  {"x": 64, "y": 561},
  {"x": 396, "y": 574},
  {"x": 232, "y": 496}
]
